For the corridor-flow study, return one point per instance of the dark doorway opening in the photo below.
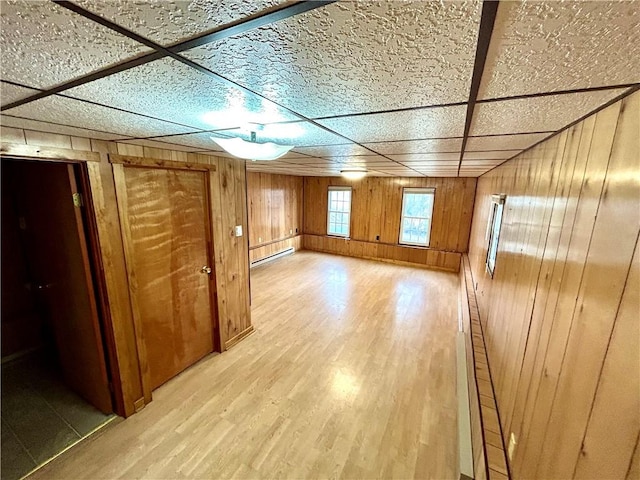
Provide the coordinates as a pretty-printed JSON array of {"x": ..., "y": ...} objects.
[{"x": 55, "y": 375}]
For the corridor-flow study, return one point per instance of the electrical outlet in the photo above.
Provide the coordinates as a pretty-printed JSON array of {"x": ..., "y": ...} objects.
[
  {"x": 512, "y": 445},
  {"x": 259, "y": 239},
  {"x": 290, "y": 232},
  {"x": 377, "y": 237}
]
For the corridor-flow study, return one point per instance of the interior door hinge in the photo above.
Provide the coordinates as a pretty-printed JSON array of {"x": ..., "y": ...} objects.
[{"x": 77, "y": 200}]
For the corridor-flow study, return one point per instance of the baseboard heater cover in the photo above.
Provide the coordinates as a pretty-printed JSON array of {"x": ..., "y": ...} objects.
[{"x": 275, "y": 256}]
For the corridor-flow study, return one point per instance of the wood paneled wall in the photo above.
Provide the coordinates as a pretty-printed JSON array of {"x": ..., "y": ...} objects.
[
  {"x": 375, "y": 211},
  {"x": 229, "y": 208},
  {"x": 560, "y": 315},
  {"x": 275, "y": 213}
]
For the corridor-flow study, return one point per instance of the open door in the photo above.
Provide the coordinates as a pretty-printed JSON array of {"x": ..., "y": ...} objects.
[{"x": 56, "y": 246}]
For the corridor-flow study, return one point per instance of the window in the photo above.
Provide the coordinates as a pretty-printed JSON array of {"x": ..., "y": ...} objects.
[
  {"x": 417, "y": 208},
  {"x": 493, "y": 231},
  {"x": 339, "y": 215}
]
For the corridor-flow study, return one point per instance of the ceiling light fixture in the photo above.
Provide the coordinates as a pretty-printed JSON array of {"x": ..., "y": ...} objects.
[
  {"x": 252, "y": 150},
  {"x": 353, "y": 173}
]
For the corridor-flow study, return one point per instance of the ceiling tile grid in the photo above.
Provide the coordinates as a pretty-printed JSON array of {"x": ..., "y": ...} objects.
[
  {"x": 44, "y": 44},
  {"x": 406, "y": 125},
  {"x": 342, "y": 64},
  {"x": 490, "y": 155},
  {"x": 170, "y": 90},
  {"x": 544, "y": 46},
  {"x": 536, "y": 114},
  {"x": 28, "y": 124},
  {"x": 168, "y": 21},
  {"x": 80, "y": 114},
  {"x": 345, "y": 149},
  {"x": 351, "y": 57},
  {"x": 416, "y": 146},
  {"x": 10, "y": 93},
  {"x": 504, "y": 142}
]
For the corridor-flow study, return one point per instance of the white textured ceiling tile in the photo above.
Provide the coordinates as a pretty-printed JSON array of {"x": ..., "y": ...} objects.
[
  {"x": 169, "y": 21},
  {"x": 80, "y": 114},
  {"x": 309, "y": 161},
  {"x": 433, "y": 164},
  {"x": 293, "y": 154},
  {"x": 408, "y": 125},
  {"x": 351, "y": 57},
  {"x": 44, "y": 44},
  {"x": 195, "y": 140},
  {"x": 300, "y": 134},
  {"x": 168, "y": 145},
  {"x": 36, "y": 125},
  {"x": 358, "y": 158},
  {"x": 425, "y": 157},
  {"x": 490, "y": 155},
  {"x": 10, "y": 93},
  {"x": 334, "y": 150},
  {"x": 170, "y": 90},
  {"x": 504, "y": 142},
  {"x": 417, "y": 146},
  {"x": 542, "y": 46},
  {"x": 480, "y": 163},
  {"x": 536, "y": 114}
]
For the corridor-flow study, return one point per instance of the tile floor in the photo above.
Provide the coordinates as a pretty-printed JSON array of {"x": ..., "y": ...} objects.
[{"x": 40, "y": 415}]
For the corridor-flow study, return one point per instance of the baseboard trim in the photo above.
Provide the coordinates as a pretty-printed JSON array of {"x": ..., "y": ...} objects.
[{"x": 242, "y": 335}]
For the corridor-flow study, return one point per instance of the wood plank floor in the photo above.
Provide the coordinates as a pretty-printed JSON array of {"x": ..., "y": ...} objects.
[{"x": 350, "y": 374}]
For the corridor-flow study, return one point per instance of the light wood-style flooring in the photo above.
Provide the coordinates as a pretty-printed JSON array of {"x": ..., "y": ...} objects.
[{"x": 350, "y": 374}]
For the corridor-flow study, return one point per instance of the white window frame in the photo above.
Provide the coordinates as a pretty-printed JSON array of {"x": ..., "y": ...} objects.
[
  {"x": 425, "y": 191},
  {"x": 493, "y": 231},
  {"x": 329, "y": 211}
]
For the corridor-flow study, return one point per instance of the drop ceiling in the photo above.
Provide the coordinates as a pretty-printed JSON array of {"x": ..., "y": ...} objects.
[{"x": 401, "y": 88}]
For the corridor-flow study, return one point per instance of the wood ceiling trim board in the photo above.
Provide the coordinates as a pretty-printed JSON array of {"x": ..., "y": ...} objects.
[{"x": 487, "y": 21}]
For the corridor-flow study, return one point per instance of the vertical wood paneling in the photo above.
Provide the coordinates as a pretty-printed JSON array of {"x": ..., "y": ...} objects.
[
  {"x": 228, "y": 197},
  {"x": 555, "y": 313},
  {"x": 275, "y": 212},
  {"x": 228, "y": 193},
  {"x": 375, "y": 212},
  {"x": 120, "y": 317}
]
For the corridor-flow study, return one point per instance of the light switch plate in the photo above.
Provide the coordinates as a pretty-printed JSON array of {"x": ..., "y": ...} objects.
[{"x": 238, "y": 230}]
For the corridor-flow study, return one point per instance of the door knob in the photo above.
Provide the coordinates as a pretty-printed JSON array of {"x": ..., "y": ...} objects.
[{"x": 206, "y": 270}]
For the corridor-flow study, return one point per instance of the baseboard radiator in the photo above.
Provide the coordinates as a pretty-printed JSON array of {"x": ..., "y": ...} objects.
[
  {"x": 465, "y": 442},
  {"x": 275, "y": 256}
]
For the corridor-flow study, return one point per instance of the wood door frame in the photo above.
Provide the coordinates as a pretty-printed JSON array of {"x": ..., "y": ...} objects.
[
  {"x": 95, "y": 267},
  {"x": 119, "y": 163}
]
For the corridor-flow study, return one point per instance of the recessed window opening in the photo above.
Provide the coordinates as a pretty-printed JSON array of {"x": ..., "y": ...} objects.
[
  {"x": 493, "y": 231},
  {"x": 339, "y": 211},
  {"x": 417, "y": 210}
]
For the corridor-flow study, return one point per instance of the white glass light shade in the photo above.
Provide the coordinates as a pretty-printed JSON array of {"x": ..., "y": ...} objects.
[
  {"x": 353, "y": 174},
  {"x": 252, "y": 150}
]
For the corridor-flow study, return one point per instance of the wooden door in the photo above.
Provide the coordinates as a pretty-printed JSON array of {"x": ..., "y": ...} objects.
[
  {"x": 165, "y": 217},
  {"x": 58, "y": 258}
]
